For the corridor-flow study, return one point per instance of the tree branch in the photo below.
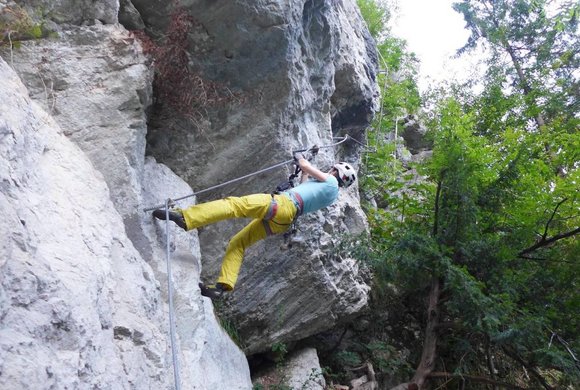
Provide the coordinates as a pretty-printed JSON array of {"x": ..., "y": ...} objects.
[
  {"x": 552, "y": 218},
  {"x": 547, "y": 241},
  {"x": 436, "y": 217},
  {"x": 429, "y": 354},
  {"x": 567, "y": 346},
  {"x": 489, "y": 358},
  {"x": 542, "y": 259}
]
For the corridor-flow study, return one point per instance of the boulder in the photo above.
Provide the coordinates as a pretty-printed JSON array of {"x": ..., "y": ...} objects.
[
  {"x": 414, "y": 135},
  {"x": 299, "y": 370}
]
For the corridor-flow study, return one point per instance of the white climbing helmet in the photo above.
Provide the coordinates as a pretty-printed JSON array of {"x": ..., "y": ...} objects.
[{"x": 346, "y": 173}]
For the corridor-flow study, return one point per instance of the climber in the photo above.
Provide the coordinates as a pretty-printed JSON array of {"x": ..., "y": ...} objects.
[{"x": 273, "y": 214}]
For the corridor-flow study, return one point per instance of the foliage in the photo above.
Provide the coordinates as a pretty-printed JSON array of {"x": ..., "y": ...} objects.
[
  {"x": 232, "y": 330},
  {"x": 228, "y": 325},
  {"x": 280, "y": 350},
  {"x": 17, "y": 25},
  {"x": 496, "y": 218},
  {"x": 491, "y": 199},
  {"x": 376, "y": 16},
  {"x": 348, "y": 358},
  {"x": 533, "y": 52},
  {"x": 399, "y": 97}
]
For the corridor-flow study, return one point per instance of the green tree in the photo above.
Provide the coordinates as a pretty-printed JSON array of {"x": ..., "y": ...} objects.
[
  {"x": 541, "y": 52},
  {"x": 496, "y": 290},
  {"x": 484, "y": 252},
  {"x": 399, "y": 97},
  {"x": 376, "y": 15}
]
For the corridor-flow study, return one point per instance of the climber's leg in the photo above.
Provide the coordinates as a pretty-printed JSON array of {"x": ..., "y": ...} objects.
[
  {"x": 251, "y": 206},
  {"x": 232, "y": 261},
  {"x": 252, "y": 233}
]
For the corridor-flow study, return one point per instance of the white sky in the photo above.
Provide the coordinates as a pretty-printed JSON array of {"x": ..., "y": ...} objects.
[{"x": 434, "y": 32}]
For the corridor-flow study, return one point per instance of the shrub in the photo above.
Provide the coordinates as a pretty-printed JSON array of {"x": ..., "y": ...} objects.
[
  {"x": 177, "y": 83},
  {"x": 17, "y": 25}
]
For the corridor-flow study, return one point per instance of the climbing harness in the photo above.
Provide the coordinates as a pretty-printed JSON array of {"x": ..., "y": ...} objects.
[
  {"x": 172, "y": 202},
  {"x": 299, "y": 203},
  {"x": 170, "y": 293}
]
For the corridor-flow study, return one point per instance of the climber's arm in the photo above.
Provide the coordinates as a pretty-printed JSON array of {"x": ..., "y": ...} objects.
[{"x": 309, "y": 170}]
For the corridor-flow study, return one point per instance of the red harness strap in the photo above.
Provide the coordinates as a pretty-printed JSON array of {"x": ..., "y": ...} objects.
[
  {"x": 272, "y": 210},
  {"x": 299, "y": 202}
]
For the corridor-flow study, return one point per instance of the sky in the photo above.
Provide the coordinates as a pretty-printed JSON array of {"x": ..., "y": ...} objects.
[{"x": 434, "y": 32}]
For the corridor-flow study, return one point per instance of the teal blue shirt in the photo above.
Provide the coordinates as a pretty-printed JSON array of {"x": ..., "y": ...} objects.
[{"x": 317, "y": 194}]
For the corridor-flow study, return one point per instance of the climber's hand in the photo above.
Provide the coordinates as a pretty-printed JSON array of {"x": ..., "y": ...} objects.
[{"x": 298, "y": 156}]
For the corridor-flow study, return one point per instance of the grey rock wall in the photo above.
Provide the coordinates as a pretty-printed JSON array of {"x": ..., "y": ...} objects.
[
  {"x": 59, "y": 12},
  {"x": 83, "y": 274},
  {"x": 62, "y": 244},
  {"x": 303, "y": 72},
  {"x": 83, "y": 297}
]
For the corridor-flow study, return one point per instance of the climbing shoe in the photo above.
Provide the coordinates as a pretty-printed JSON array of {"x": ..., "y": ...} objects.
[
  {"x": 215, "y": 292},
  {"x": 174, "y": 216}
]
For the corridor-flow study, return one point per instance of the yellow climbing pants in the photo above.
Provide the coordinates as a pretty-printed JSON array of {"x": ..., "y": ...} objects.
[{"x": 255, "y": 206}]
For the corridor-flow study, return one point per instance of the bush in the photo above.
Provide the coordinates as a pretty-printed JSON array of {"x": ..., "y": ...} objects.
[
  {"x": 176, "y": 83},
  {"x": 17, "y": 25}
]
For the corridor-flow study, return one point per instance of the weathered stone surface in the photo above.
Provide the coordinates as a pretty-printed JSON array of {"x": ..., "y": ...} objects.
[
  {"x": 81, "y": 308},
  {"x": 129, "y": 16},
  {"x": 95, "y": 82},
  {"x": 414, "y": 135},
  {"x": 303, "y": 370},
  {"x": 209, "y": 359},
  {"x": 300, "y": 370},
  {"x": 286, "y": 295},
  {"x": 71, "y": 281},
  {"x": 72, "y": 11},
  {"x": 304, "y": 71}
]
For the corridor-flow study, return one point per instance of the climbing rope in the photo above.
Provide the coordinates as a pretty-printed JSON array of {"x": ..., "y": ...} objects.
[
  {"x": 343, "y": 139},
  {"x": 170, "y": 293}
]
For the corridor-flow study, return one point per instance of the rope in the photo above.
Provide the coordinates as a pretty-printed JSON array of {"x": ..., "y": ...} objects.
[
  {"x": 246, "y": 176},
  {"x": 170, "y": 290}
]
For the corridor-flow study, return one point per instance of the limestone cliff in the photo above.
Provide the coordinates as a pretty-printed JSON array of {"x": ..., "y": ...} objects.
[
  {"x": 83, "y": 283},
  {"x": 80, "y": 307},
  {"x": 302, "y": 72}
]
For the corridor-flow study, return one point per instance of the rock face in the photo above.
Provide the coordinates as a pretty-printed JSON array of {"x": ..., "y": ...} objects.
[
  {"x": 81, "y": 305},
  {"x": 73, "y": 11},
  {"x": 414, "y": 135},
  {"x": 303, "y": 72},
  {"x": 83, "y": 278}
]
